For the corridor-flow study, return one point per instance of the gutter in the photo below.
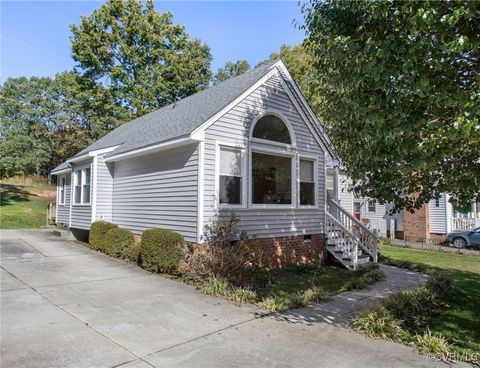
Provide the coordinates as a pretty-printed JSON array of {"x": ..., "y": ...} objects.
[{"x": 151, "y": 149}]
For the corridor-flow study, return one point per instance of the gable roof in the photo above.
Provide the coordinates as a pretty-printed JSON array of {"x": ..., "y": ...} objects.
[{"x": 177, "y": 120}]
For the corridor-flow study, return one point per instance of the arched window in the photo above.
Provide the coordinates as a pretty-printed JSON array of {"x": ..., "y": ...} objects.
[{"x": 270, "y": 127}]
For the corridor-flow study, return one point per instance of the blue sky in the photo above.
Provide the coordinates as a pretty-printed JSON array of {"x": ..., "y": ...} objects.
[{"x": 34, "y": 35}]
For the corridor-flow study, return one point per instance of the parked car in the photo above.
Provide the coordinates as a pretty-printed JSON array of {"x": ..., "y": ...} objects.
[{"x": 462, "y": 239}]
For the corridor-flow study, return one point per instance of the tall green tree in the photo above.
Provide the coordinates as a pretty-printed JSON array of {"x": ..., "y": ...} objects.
[
  {"x": 231, "y": 69},
  {"x": 24, "y": 143},
  {"x": 399, "y": 87},
  {"x": 144, "y": 60}
]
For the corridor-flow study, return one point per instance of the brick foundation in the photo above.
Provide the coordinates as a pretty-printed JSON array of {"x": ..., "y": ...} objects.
[
  {"x": 416, "y": 226},
  {"x": 285, "y": 251}
]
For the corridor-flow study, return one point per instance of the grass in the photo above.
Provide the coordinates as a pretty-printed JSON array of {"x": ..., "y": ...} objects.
[
  {"x": 459, "y": 320},
  {"x": 24, "y": 207}
]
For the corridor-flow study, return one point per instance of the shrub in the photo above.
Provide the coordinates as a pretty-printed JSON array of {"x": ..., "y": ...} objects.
[
  {"x": 216, "y": 286},
  {"x": 378, "y": 323},
  {"x": 134, "y": 253},
  {"x": 273, "y": 304},
  {"x": 242, "y": 295},
  {"x": 222, "y": 256},
  {"x": 441, "y": 285},
  {"x": 413, "y": 307},
  {"x": 429, "y": 343},
  {"x": 97, "y": 234},
  {"x": 119, "y": 242},
  {"x": 315, "y": 295},
  {"x": 161, "y": 250}
]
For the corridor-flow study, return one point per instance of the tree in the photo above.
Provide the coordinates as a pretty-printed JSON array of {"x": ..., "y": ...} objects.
[
  {"x": 24, "y": 145},
  {"x": 231, "y": 70},
  {"x": 45, "y": 121},
  {"x": 399, "y": 87},
  {"x": 144, "y": 60}
]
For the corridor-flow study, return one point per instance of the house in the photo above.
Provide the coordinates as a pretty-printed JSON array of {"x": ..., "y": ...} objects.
[
  {"x": 431, "y": 223},
  {"x": 250, "y": 145}
]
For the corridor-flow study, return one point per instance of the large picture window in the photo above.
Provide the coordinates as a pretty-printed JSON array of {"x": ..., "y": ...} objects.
[
  {"x": 230, "y": 176},
  {"x": 82, "y": 186},
  {"x": 271, "y": 128},
  {"x": 61, "y": 189},
  {"x": 307, "y": 183},
  {"x": 271, "y": 179}
]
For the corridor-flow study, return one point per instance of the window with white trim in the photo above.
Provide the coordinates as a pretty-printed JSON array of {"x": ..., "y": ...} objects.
[
  {"x": 307, "y": 183},
  {"x": 271, "y": 179},
  {"x": 372, "y": 205},
  {"x": 230, "y": 176},
  {"x": 62, "y": 181},
  {"x": 330, "y": 183},
  {"x": 81, "y": 191},
  {"x": 271, "y": 128}
]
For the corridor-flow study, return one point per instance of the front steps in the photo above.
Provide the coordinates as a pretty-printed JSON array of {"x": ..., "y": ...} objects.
[{"x": 347, "y": 261}]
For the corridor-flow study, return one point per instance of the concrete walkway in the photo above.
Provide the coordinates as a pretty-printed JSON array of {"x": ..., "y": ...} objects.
[
  {"x": 63, "y": 305},
  {"x": 340, "y": 309}
]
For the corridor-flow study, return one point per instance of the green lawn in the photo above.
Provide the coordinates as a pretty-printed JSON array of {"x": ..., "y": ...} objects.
[
  {"x": 460, "y": 320},
  {"x": 24, "y": 207}
]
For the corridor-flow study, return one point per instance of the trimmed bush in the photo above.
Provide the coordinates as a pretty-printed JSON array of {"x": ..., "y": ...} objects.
[
  {"x": 161, "y": 250},
  {"x": 119, "y": 242},
  {"x": 97, "y": 235}
]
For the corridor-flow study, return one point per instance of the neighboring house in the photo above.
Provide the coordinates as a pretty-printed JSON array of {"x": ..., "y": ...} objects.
[
  {"x": 249, "y": 145},
  {"x": 431, "y": 223}
]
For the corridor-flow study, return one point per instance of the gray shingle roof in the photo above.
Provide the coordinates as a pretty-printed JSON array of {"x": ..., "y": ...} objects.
[{"x": 179, "y": 119}]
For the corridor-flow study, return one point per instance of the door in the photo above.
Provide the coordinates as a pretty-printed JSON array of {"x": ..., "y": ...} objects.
[{"x": 357, "y": 209}]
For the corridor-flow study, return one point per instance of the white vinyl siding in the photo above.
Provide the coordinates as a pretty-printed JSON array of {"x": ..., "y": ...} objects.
[
  {"x": 158, "y": 191},
  {"x": 104, "y": 190},
  {"x": 438, "y": 215},
  {"x": 234, "y": 128}
]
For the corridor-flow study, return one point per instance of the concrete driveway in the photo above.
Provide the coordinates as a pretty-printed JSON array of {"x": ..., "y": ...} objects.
[{"x": 63, "y": 305}]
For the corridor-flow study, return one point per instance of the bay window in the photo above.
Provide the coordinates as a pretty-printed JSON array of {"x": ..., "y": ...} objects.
[
  {"x": 230, "y": 176},
  {"x": 271, "y": 179},
  {"x": 307, "y": 183},
  {"x": 82, "y": 186}
]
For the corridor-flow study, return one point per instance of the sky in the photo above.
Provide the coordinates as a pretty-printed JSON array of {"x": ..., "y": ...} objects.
[{"x": 34, "y": 35}]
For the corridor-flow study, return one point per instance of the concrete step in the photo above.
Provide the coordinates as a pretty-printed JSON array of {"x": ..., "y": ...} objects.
[{"x": 64, "y": 234}]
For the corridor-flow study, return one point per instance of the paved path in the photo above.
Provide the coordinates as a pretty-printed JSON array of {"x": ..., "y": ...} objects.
[
  {"x": 340, "y": 309},
  {"x": 63, "y": 305}
]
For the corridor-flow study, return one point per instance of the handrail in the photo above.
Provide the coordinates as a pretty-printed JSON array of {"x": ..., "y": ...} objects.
[
  {"x": 354, "y": 240},
  {"x": 351, "y": 217},
  {"x": 369, "y": 245}
]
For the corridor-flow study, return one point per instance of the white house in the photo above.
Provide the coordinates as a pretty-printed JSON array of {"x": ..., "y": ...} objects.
[
  {"x": 431, "y": 223},
  {"x": 249, "y": 145}
]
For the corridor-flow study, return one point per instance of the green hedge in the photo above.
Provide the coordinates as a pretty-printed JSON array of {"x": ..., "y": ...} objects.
[
  {"x": 161, "y": 250},
  {"x": 97, "y": 235},
  {"x": 119, "y": 243}
]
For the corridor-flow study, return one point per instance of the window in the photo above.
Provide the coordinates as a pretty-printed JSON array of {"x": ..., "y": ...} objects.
[
  {"x": 86, "y": 186},
  {"x": 77, "y": 187},
  {"x": 437, "y": 202},
  {"x": 357, "y": 207},
  {"x": 271, "y": 179},
  {"x": 82, "y": 186},
  {"x": 372, "y": 205},
  {"x": 330, "y": 183},
  {"x": 61, "y": 189},
  {"x": 230, "y": 176},
  {"x": 271, "y": 128},
  {"x": 307, "y": 183}
]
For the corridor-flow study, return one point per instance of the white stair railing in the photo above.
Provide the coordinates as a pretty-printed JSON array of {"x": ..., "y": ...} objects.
[
  {"x": 367, "y": 239},
  {"x": 465, "y": 224},
  {"x": 344, "y": 240}
]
